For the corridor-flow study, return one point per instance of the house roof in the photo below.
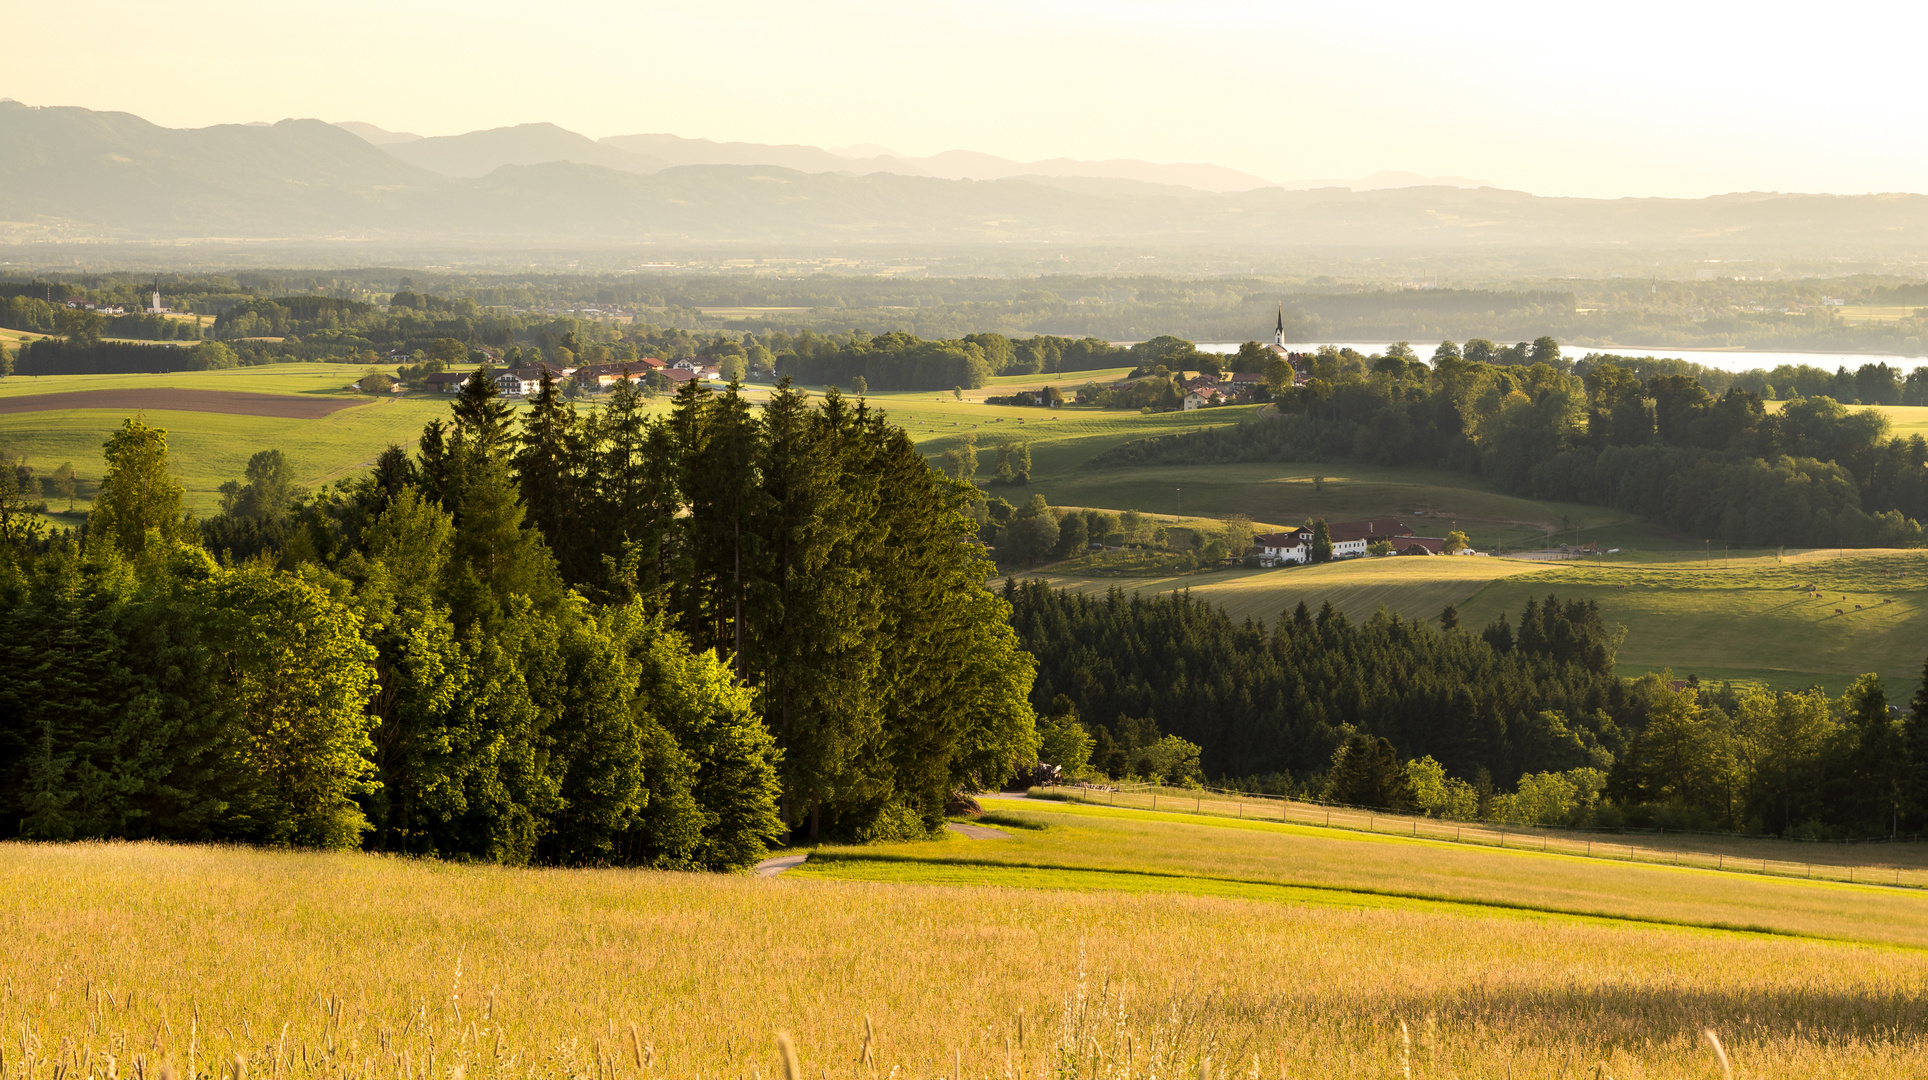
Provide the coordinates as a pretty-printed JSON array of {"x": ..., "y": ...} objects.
[{"x": 1367, "y": 530}]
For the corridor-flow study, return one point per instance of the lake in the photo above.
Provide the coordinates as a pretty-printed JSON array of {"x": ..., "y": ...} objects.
[{"x": 1724, "y": 359}]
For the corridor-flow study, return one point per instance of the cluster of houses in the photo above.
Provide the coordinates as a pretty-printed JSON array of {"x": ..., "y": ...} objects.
[
  {"x": 526, "y": 382},
  {"x": 1350, "y": 540},
  {"x": 1232, "y": 388}
]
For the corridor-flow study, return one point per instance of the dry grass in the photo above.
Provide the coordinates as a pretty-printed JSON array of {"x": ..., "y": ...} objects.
[{"x": 128, "y": 960}]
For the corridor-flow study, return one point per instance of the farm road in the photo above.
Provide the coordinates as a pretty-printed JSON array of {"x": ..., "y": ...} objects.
[
  {"x": 977, "y": 832},
  {"x": 164, "y": 399}
]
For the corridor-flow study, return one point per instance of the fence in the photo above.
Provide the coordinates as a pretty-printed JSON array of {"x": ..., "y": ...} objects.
[{"x": 1256, "y": 807}]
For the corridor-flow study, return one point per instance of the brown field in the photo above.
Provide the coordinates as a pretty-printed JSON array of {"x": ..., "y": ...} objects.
[{"x": 166, "y": 399}]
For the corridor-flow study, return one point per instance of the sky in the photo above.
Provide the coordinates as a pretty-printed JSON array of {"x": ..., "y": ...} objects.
[{"x": 1676, "y": 99}]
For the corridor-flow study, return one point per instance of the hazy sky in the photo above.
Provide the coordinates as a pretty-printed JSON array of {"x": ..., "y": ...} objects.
[{"x": 1564, "y": 99}]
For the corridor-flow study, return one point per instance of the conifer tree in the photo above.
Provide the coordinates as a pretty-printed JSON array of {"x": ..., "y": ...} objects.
[
  {"x": 635, "y": 497},
  {"x": 1879, "y": 762},
  {"x": 718, "y": 478},
  {"x": 1915, "y": 745},
  {"x": 482, "y": 417},
  {"x": 550, "y": 472},
  {"x": 1321, "y": 541}
]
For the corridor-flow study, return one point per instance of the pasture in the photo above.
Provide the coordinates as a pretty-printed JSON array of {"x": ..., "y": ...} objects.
[
  {"x": 1081, "y": 944},
  {"x": 303, "y": 410},
  {"x": 1414, "y": 588},
  {"x": 1745, "y": 617}
]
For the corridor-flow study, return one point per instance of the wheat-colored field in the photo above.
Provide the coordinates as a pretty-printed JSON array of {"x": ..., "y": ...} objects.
[{"x": 140, "y": 960}]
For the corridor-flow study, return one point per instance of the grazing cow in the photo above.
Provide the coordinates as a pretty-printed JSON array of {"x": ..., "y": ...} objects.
[
  {"x": 1857, "y": 607},
  {"x": 1837, "y": 611}
]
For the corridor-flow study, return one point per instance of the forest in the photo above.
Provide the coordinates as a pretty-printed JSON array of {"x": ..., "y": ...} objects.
[
  {"x": 591, "y": 638},
  {"x": 969, "y": 294},
  {"x": 1596, "y": 431},
  {"x": 1522, "y": 723}
]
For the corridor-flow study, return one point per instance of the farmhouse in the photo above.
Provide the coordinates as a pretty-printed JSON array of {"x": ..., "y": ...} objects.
[
  {"x": 603, "y": 376},
  {"x": 446, "y": 382},
  {"x": 526, "y": 382},
  {"x": 1276, "y": 548},
  {"x": 1242, "y": 383},
  {"x": 1350, "y": 539}
]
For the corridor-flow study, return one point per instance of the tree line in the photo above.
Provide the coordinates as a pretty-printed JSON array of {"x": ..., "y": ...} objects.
[
  {"x": 1516, "y": 722},
  {"x": 1275, "y": 701},
  {"x": 578, "y": 638},
  {"x": 1811, "y": 473}
]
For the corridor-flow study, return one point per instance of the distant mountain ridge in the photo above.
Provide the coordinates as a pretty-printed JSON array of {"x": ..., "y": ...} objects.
[
  {"x": 71, "y": 174},
  {"x": 478, "y": 153}
]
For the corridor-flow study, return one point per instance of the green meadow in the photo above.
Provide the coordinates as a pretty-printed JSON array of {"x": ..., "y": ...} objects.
[
  {"x": 210, "y": 448},
  {"x": 1746, "y": 617},
  {"x": 1098, "y": 848}
]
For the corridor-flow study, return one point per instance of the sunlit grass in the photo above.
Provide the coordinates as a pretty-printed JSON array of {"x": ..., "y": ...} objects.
[
  {"x": 1413, "y": 587},
  {"x": 129, "y": 960},
  {"x": 1177, "y": 846},
  {"x": 1749, "y": 617}
]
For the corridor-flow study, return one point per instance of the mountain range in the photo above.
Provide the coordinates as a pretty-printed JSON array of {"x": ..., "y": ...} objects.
[
  {"x": 479, "y": 153},
  {"x": 72, "y": 174}
]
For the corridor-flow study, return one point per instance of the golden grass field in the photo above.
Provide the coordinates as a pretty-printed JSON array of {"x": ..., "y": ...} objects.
[{"x": 1086, "y": 944}]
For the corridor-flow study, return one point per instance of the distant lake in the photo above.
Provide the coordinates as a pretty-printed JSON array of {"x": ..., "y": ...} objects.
[{"x": 1725, "y": 360}]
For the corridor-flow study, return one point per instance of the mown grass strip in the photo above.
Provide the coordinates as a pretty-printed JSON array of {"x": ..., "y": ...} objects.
[{"x": 848, "y": 865}]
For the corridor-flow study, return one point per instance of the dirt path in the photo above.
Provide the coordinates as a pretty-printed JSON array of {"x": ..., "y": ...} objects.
[
  {"x": 160, "y": 398},
  {"x": 977, "y": 832},
  {"x": 777, "y": 864}
]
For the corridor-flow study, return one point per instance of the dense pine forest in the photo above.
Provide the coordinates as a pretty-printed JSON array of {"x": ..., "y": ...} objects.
[
  {"x": 578, "y": 638},
  {"x": 1519, "y": 722},
  {"x": 1651, "y": 439}
]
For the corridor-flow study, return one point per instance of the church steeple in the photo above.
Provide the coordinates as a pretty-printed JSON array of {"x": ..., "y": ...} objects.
[{"x": 1278, "y": 338}]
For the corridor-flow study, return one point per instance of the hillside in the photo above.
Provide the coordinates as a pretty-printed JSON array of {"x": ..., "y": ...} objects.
[
  {"x": 74, "y": 174},
  {"x": 1066, "y": 942}
]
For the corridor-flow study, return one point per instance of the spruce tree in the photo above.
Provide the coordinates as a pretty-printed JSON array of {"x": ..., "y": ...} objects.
[
  {"x": 717, "y": 474},
  {"x": 481, "y": 416},
  {"x": 1915, "y": 745},
  {"x": 634, "y": 494},
  {"x": 1879, "y": 762},
  {"x": 550, "y": 471}
]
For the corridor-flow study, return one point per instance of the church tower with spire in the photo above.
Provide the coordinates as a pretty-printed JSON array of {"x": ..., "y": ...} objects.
[{"x": 1278, "y": 336}]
